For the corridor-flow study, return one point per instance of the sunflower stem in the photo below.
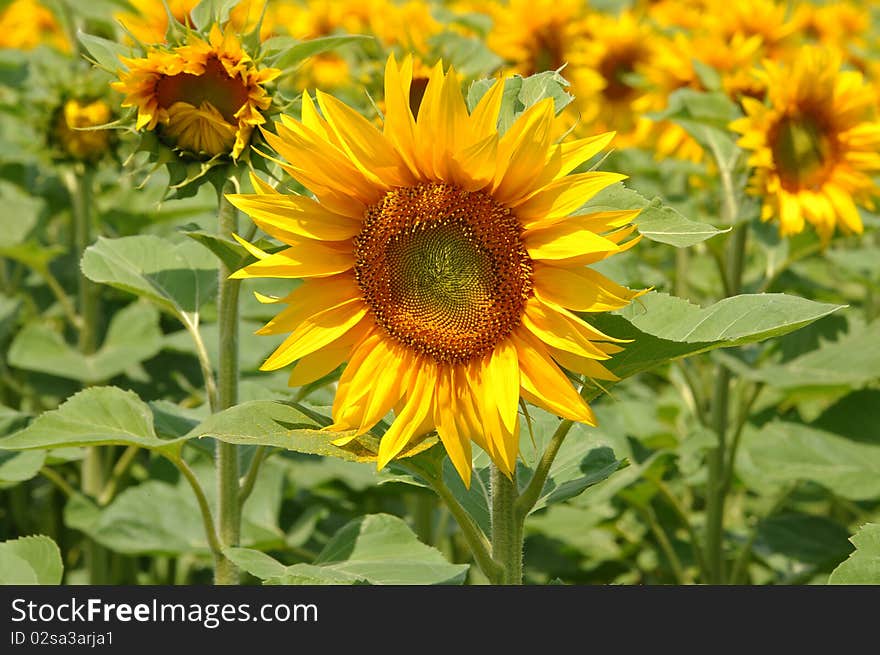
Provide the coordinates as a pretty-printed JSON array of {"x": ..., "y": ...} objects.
[
  {"x": 79, "y": 185},
  {"x": 717, "y": 485},
  {"x": 507, "y": 528},
  {"x": 473, "y": 535},
  {"x": 228, "y": 507}
]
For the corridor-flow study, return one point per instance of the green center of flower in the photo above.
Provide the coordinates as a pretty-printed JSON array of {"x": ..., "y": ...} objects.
[
  {"x": 801, "y": 150},
  {"x": 444, "y": 270},
  {"x": 215, "y": 87}
]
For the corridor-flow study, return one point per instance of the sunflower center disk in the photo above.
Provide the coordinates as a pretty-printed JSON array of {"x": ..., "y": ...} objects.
[
  {"x": 444, "y": 270},
  {"x": 226, "y": 94},
  {"x": 800, "y": 151}
]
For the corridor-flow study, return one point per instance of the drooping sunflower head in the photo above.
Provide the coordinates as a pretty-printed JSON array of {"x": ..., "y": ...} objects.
[
  {"x": 814, "y": 144},
  {"x": 202, "y": 98},
  {"x": 68, "y": 134},
  {"x": 439, "y": 260}
]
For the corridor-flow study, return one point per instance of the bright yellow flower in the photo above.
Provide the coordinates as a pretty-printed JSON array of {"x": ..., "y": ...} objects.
[
  {"x": 81, "y": 144},
  {"x": 766, "y": 19},
  {"x": 204, "y": 97},
  {"x": 25, "y": 24},
  {"x": 439, "y": 259},
  {"x": 620, "y": 47},
  {"x": 674, "y": 66},
  {"x": 814, "y": 145},
  {"x": 149, "y": 22}
]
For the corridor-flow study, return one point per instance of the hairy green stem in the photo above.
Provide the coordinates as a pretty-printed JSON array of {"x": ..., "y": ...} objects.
[
  {"x": 119, "y": 470},
  {"x": 473, "y": 536},
  {"x": 507, "y": 528},
  {"x": 228, "y": 505},
  {"x": 204, "y": 363},
  {"x": 204, "y": 508},
  {"x": 55, "y": 478},
  {"x": 716, "y": 484},
  {"x": 79, "y": 185},
  {"x": 532, "y": 492},
  {"x": 684, "y": 519},
  {"x": 250, "y": 478}
]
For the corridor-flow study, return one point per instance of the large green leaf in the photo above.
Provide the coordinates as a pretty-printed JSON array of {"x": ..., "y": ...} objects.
[
  {"x": 585, "y": 459},
  {"x": 802, "y": 538},
  {"x": 179, "y": 278},
  {"x": 852, "y": 361},
  {"x": 378, "y": 549},
  {"x": 133, "y": 336},
  {"x": 20, "y": 466},
  {"x": 296, "y": 53},
  {"x": 663, "y": 327},
  {"x": 30, "y": 560},
  {"x": 158, "y": 518},
  {"x": 782, "y": 453},
  {"x": 656, "y": 221},
  {"x": 26, "y": 211},
  {"x": 271, "y": 423},
  {"x": 863, "y": 566},
  {"x": 98, "y": 416}
]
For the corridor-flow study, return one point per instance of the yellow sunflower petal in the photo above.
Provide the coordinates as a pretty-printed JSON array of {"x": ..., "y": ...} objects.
[
  {"x": 305, "y": 259},
  {"x": 416, "y": 409},
  {"x": 287, "y": 217},
  {"x": 579, "y": 289},
  {"x": 544, "y": 385},
  {"x": 563, "y": 196},
  {"x": 316, "y": 332}
]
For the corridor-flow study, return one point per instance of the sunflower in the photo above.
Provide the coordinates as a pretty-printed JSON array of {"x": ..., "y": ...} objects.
[
  {"x": 621, "y": 47},
  {"x": 204, "y": 97},
  {"x": 79, "y": 144},
  {"x": 149, "y": 21},
  {"x": 813, "y": 145},
  {"x": 26, "y": 24},
  {"x": 439, "y": 260}
]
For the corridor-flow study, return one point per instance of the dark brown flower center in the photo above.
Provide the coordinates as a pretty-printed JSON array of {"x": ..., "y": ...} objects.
[
  {"x": 445, "y": 271},
  {"x": 614, "y": 68},
  {"x": 801, "y": 150},
  {"x": 226, "y": 94}
]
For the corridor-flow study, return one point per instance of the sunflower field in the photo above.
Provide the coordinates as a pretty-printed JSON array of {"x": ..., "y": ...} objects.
[{"x": 405, "y": 292}]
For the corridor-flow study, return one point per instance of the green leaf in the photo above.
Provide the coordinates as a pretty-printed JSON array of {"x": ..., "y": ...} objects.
[
  {"x": 260, "y": 565},
  {"x": 133, "y": 336},
  {"x": 271, "y": 423},
  {"x": 179, "y": 278},
  {"x": 25, "y": 208},
  {"x": 583, "y": 461},
  {"x": 228, "y": 251},
  {"x": 295, "y": 55},
  {"x": 863, "y": 566},
  {"x": 105, "y": 53},
  {"x": 852, "y": 361},
  {"x": 379, "y": 549},
  {"x": 207, "y": 12},
  {"x": 803, "y": 538},
  {"x": 663, "y": 327},
  {"x": 521, "y": 93},
  {"x": 158, "y": 518},
  {"x": 30, "y": 560},
  {"x": 739, "y": 320},
  {"x": 656, "y": 221},
  {"x": 469, "y": 55},
  {"x": 98, "y": 416},
  {"x": 782, "y": 453},
  {"x": 20, "y": 466}
]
